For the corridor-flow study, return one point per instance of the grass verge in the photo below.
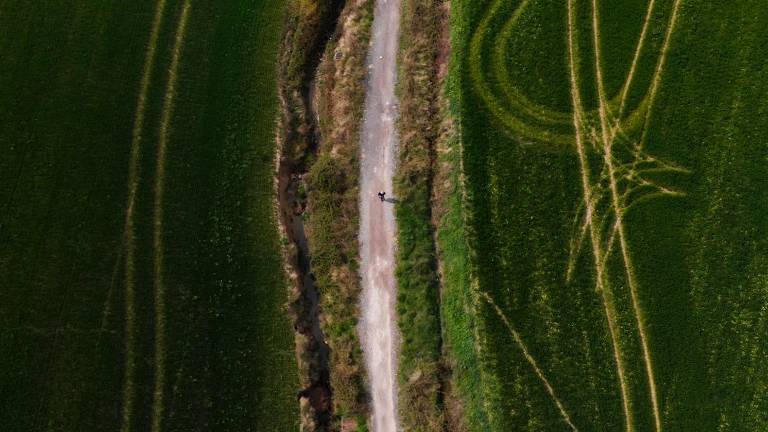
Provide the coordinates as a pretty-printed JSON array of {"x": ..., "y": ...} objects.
[
  {"x": 332, "y": 223},
  {"x": 420, "y": 367}
]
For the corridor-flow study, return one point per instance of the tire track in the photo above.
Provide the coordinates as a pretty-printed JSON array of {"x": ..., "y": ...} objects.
[
  {"x": 660, "y": 69},
  {"x": 501, "y": 71},
  {"x": 648, "y": 103},
  {"x": 508, "y": 118},
  {"x": 606, "y": 231},
  {"x": 128, "y": 230},
  {"x": 531, "y": 361},
  {"x": 521, "y": 115},
  {"x": 618, "y": 203},
  {"x": 635, "y": 60},
  {"x": 619, "y": 213},
  {"x": 600, "y": 278},
  {"x": 158, "y": 402}
]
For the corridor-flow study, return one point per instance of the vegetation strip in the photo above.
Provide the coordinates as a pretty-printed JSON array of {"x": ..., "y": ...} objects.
[
  {"x": 422, "y": 374},
  {"x": 158, "y": 404},
  {"x": 324, "y": 159},
  {"x": 308, "y": 30},
  {"x": 133, "y": 184}
]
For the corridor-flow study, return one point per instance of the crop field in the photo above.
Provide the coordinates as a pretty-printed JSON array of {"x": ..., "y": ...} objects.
[
  {"x": 141, "y": 282},
  {"x": 615, "y": 159}
]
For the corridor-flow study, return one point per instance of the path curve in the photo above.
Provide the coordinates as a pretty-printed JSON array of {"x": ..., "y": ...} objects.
[{"x": 378, "y": 150}]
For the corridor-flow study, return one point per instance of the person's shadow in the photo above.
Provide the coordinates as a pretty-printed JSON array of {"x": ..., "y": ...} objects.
[{"x": 391, "y": 200}]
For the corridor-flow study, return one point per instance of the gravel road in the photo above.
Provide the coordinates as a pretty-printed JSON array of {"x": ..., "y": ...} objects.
[{"x": 378, "y": 326}]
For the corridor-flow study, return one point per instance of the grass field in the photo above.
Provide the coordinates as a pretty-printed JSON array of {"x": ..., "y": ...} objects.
[
  {"x": 615, "y": 160},
  {"x": 139, "y": 257}
]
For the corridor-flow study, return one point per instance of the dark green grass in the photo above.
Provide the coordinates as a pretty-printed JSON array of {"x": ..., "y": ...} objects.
[
  {"x": 539, "y": 32},
  {"x": 231, "y": 356},
  {"x": 708, "y": 288},
  {"x": 67, "y": 96},
  {"x": 699, "y": 259},
  {"x": 70, "y": 77}
]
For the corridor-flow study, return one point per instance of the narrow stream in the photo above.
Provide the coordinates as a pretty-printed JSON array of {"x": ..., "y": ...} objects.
[{"x": 319, "y": 391}]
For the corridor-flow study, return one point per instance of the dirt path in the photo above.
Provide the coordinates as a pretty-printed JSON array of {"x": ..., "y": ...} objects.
[{"x": 378, "y": 327}]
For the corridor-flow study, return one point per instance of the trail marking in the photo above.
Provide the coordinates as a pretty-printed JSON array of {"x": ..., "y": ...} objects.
[
  {"x": 660, "y": 69},
  {"x": 630, "y": 174},
  {"x": 623, "y": 166},
  {"x": 501, "y": 71},
  {"x": 618, "y": 211},
  {"x": 509, "y": 118}
]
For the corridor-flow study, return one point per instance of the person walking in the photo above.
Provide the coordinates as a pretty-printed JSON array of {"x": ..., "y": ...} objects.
[{"x": 382, "y": 195}]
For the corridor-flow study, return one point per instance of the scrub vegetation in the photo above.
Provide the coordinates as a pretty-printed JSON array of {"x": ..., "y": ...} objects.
[
  {"x": 333, "y": 222},
  {"x": 139, "y": 255},
  {"x": 613, "y": 188}
]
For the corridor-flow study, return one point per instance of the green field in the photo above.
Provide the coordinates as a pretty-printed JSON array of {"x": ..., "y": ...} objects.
[
  {"x": 615, "y": 162},
  {"x": 140, "y": 266}
]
